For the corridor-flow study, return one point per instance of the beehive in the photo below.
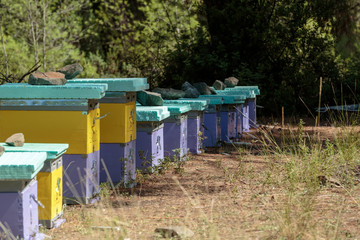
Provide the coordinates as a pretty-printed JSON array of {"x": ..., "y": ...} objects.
[
  {"x": 118, "y": 127},
  {"x": 212, "y": 120},
  {"x": 50, "y": 180},
  {"x": 195, "y": 131},
  {"x": 175, "y": 131},
  {"x": 58, "y": 114},
  {"x": 19, "y": 193},
  {"x": 252, "y": 92},
  {"x": 150, "y": 131}
]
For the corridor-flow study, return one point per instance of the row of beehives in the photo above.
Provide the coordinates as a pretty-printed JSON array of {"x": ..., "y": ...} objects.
[{"x": 129, "y": 137}]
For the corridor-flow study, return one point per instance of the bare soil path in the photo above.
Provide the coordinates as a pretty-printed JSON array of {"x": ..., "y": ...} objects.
[{"x": 227, "y": 195}]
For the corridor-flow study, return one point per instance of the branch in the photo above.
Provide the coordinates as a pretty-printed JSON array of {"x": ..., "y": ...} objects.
[{"x": 31, "y": 70}]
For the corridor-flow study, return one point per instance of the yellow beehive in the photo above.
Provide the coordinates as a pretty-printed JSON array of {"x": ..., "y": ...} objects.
[
  {"x": 81, "y": 129},
  {"x": 52, "y": 201},
  {"x": 119, "y": 126}
]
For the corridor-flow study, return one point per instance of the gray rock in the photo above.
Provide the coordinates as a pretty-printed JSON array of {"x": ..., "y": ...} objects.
[
  {"x": 16, "y": 140},
  {"x": 2, "y": 150},
  {"x": 190, "y": 90},
  {"x": 175, "y": 231},
  {"x": 219, "y": 85},
  {"x": 170, "y": 93},
  {"x": 146, "y": 98},
  {"x": 231, "y": 82},
  {"x": 203, "y": 88},
  {"x": 48, "y": 78},
  {"x": 71, "y": 71}
]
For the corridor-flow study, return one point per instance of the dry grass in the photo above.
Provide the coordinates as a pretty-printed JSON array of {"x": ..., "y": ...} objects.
[{"x": 247, "y": 194}]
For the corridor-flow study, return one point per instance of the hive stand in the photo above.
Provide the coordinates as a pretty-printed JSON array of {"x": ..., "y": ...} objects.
[
  {"x": 19, "y": 194},
  {"x": 118, "y": 128},
  {"x": 50, "y": 181},
  {"x": 59, "y": 114},
  {"x": 195, "y": 131},
  {"x": 150, "y": 136},
  {"x": 175, "y": 131}
]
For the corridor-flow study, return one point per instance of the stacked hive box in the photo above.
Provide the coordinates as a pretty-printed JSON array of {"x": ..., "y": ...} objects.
[
  {"x": 59, "y": 114},
  {"x": 50, "y": 180},
  {"x": 243, "y": 110},
  {"x": 251, "y": 102},
  {"x": 194, "y": 122},
  {"x": 212, "y": 120},
  {"x": 233, "y": 122},
  {"x": 150, "y": 136},
  {"x": 18, "y": 194},
  {"x": 118, "y": 127},
  {"x": 175, "y": 131}
]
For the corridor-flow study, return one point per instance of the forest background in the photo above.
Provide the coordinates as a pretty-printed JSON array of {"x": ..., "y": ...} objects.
[{"x": 283, "y": 46}]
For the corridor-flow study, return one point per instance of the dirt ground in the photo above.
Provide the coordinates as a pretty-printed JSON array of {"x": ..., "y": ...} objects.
[{"x": 218, "y": 195}]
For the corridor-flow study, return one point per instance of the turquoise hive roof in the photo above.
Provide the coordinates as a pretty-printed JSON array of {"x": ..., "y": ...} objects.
[
  {"x": 67, "y": 91},
  {"x": 21, "y": 165},
  {"x": 176, "y": 109},
  {"x": 195, "y": 104},
  {"x": 213, "y": 99},
  {"x": 151, "y": 113},
  {"x": 52, "y": 150},
  {"x": 253, "y": 88},
  {"x": 117, "y": 84}
]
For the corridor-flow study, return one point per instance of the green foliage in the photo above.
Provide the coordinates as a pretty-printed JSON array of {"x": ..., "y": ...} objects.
[
  {"x": 281, "y": 45},
  {"x": 44, "y": 31}
]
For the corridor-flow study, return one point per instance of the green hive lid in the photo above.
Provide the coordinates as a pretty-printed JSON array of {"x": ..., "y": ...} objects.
[
  {"x": 21, "y": 165},
  {"x": 233, "y": 99},
  {"x": 235, "y": 91},
  {"x": 213, "y": 99},
  {"x": 195, "y": 104},
  {"x": 175, "y": 109},
  {"x": 52, "y": 150},
  {"x": 151, "y": 113},
  {"x": 67, "y": 91},
  {"x": 253, "y": 88},
  {"x": 117, "y": 84}
]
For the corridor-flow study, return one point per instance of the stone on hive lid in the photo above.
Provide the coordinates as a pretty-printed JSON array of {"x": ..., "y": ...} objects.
[
  {"x": 71, "y": 71},
  {"x": 203, "y": 88},
  {"x": 146, "y": 98},
  {"x": 170, "y": 93},
  {"x": 48, "y": 78},
  {"x": 219, "y": 85},
  {"x": 190, "y": 90},
  {"x": 231, "y": 82},
  {"x": 2, "y": 150},
  {"x": 16, "y": 140}
]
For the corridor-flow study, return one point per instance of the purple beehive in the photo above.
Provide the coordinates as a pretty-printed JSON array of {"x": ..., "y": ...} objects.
[
  {"x": 149, "y": 144},
  {"x": 195, "y": 129},
  {"x": 81, "y": 177},
  {"x": 228, "y": 122},
  {"x": 195, "y": 121},
  {"x": 252, "y": 112},
  {"x": 239, "y": 120},
  {"x": 245, "y": 117},
  {"x": 212, "y": 126},
  {"x": 175, "y": 136},
  {"x": 19, "y": 209},
  {"x": 122, "y": 168}
]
